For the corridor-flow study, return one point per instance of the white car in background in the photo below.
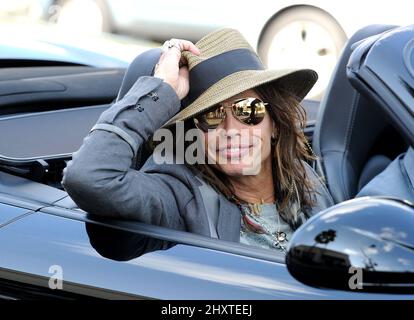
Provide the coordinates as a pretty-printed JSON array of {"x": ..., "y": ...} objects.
[{"x": 286, "y": 33}]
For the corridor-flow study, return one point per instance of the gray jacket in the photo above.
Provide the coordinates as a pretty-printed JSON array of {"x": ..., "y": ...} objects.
[
  {"x": 397, "y": 179},
  {"x": 102, "y": 178}
]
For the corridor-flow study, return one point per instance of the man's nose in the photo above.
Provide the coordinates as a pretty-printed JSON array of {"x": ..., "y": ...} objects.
[{"x": 230, "y": 122}]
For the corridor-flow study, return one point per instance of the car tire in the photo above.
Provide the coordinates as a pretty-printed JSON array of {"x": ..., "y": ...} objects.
[{"x": 311, "y": 17}]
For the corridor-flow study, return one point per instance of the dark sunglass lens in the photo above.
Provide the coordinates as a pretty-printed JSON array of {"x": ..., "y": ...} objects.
[
  {"x": 250, "y": 111},
  {"x": 210, "y": 120}
]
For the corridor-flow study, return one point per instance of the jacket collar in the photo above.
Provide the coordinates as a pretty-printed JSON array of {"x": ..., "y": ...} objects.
[{"x": 228, "y": 223}]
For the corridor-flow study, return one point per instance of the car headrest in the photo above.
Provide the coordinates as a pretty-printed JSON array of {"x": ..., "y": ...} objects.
[
  {"x": 382, "y": 69},
  {"x": 342, "y": 138},
  {"x": 142, "y": 65}
]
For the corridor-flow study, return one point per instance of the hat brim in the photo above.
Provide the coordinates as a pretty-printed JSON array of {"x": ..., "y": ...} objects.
[{"x": 298, "y": 82}]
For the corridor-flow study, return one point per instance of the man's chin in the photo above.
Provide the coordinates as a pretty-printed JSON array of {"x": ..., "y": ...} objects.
[{"x": 237, "y": 170}]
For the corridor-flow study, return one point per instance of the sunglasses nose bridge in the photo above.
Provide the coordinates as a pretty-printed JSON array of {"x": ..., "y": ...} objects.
[{"x": 230, "y": 121}]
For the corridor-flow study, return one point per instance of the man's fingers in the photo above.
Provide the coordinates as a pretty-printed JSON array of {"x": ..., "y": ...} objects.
[
  {"x": 186, "y": 45},
  {"x": 189, "y": 46},
  {"x": 162, "y": 57},
  {"x": 172, "y": 56},
  {"x": 183, "y": 72}
]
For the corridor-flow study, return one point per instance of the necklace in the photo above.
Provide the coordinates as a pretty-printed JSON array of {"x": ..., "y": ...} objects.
[
  {"x": 255, "y": 208},
  {"x": 254, "y": 224}
]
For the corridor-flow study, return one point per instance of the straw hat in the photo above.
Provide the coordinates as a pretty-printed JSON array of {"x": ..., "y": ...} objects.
[{"x": 227, "y": 66}]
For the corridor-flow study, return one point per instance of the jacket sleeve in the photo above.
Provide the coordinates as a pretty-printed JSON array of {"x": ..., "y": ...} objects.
[
  {"x": 101, "y": 178},
  {"x": 396, "y": 180}
]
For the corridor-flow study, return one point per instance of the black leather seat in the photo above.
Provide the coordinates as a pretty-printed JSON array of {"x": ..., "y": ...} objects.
[
  {"x": 142, "y": 65},
  {"x": 352, "y": 137}
]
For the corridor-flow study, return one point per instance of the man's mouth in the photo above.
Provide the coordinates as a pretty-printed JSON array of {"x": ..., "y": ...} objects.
[{"x": 234, "y": 151}]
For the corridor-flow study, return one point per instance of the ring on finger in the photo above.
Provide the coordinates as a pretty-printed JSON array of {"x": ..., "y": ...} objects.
[{"x": 172, "y": 44}]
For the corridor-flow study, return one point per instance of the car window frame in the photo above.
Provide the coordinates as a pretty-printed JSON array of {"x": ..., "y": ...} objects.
[{"x": 169, "y": 234}]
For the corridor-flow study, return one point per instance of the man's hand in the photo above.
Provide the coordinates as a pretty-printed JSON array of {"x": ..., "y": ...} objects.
[{"x": 172, "y": 67}]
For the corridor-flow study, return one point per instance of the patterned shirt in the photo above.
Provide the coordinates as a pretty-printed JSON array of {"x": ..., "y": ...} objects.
[{"x": 269, "y": 217}]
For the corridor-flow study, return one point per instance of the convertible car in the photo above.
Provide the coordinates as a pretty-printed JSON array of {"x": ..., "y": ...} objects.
[{"x": 360, "y": 248}]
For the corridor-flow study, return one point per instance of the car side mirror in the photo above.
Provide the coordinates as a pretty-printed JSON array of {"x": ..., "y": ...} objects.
[{"x": 365, "y": 244}]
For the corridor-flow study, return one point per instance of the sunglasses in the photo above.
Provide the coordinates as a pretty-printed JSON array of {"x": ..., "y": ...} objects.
[{"x": 249, "y": 111}]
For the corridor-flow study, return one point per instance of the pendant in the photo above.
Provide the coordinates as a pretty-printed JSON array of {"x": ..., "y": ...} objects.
[
  {"x": 256, "y": 209},
  {"x": 281, "y": 236}
]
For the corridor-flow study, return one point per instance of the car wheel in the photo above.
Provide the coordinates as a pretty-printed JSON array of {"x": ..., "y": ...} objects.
[
  {"x": 304, "y": 37},
  {"x": 85, "y": 16}
]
